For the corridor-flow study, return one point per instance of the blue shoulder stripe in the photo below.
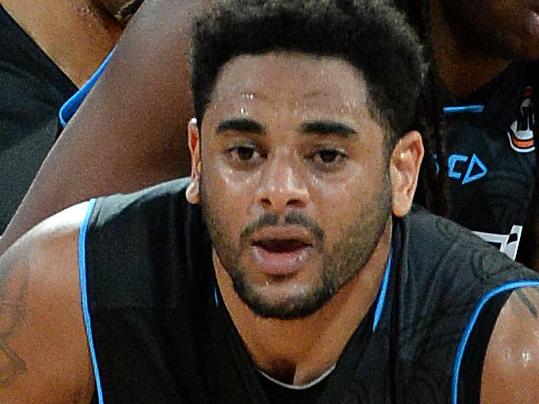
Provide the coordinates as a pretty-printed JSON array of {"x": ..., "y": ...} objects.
[
  {"x": 469, "y": 328},
  {"x": 72, "y": 104},
  {"x": 84, "y": 298},
  {"x": 383, "y": 291},
  {"x": 462, "y": 109}
]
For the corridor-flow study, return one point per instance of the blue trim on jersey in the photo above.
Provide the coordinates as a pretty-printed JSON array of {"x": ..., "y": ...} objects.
[
  {"x": 72, "y": 104},
  {"x": 216, "y": 296},
  {"x": 471, "y": 109},
  {"x": 84, "y": 298},
  {"x": 469, "y": 328},
  {"x": 383, "y": 291},
  {"x": 379, "y": 304}
]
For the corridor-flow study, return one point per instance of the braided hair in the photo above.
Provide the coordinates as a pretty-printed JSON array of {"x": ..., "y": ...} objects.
[{"x": 433, "y": 187}]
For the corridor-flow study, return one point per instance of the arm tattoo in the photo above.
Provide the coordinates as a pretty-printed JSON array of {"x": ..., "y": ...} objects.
[
  {"x": 13, "y": 294},
  {"x": 523, "y": 297}
]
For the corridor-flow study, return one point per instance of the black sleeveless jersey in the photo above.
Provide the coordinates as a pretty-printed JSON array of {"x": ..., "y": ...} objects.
[
  {"x": 159, "y": 334},
  {"x": 32, "y": 89},
  {"x": 492, "y": 159}
]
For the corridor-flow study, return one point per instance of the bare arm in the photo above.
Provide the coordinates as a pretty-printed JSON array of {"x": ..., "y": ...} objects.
[
  {"x": 511, "y": 369},
  {"x": 44, "y": 356},
  {"x": 129, "y": 133}
]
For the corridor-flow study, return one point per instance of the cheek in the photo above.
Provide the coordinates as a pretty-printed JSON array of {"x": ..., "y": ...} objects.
[
  {"x": 233, "y": 188},
  {"x": 339, "y": 203},
  {"x": 227, "y": 197}
]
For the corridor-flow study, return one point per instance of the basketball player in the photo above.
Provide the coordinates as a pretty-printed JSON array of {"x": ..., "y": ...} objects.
[
  {"x": 290, "y": 295},
  {"x": 486, "y": 78},
  {"x": 489, "y": 164}
]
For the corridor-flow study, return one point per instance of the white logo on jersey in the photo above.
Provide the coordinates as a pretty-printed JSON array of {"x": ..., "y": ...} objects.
[
  {"x": 521, "y": 131},
  {"x": 506, "y": 243}
]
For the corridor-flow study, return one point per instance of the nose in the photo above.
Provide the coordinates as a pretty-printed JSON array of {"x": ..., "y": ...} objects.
[{"x": 282, "y": 187}]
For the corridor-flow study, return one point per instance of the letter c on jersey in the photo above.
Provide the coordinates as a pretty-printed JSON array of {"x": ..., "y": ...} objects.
[{"x": 475, "y": 169}]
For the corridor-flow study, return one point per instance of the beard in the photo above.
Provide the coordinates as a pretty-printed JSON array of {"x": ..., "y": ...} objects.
[{"x": 340, "y": 263}]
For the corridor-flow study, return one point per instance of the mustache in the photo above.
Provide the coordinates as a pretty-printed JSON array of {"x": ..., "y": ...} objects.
[{"x": 293, "y": 218}]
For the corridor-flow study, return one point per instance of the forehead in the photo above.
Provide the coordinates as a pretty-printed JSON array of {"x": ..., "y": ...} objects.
[{"x": 290, "y": 80}]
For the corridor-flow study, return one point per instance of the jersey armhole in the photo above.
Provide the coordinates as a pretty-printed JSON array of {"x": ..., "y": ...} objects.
[
  {"x": 84, "y": 300},
  {"x": 478, "y": 339}
]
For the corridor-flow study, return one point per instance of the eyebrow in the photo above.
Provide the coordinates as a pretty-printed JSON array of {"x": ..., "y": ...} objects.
[
  {"x": 318, "y": 127},
  {"x": 328, "y": 128},
  {"x": 241, "y": 125}
]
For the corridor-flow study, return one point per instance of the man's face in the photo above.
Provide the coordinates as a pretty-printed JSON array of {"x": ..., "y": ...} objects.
[
  {"x": 294, "y": 179},
  {"x": 501, "y": 28}
]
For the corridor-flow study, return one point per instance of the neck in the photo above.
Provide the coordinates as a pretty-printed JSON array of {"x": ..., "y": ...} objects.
[
  {"x": 74, "y": 34},
  {"x": 298, "y": 351},
  {"x": 461, "y": 69}
]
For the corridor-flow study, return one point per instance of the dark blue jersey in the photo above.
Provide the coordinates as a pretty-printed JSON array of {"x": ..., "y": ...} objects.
[
  {"x": 492, "y": 160},
  {"x": 32, "y": 89},
  {"x": 159, "y": 333}
]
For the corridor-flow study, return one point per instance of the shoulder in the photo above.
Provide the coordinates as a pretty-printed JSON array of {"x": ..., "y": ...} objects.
[
  {"x": 438, "y": 242},
  {"x": 41, "y": 244},
  {"x": 452, "y": 264},
  {"x": 42, "y": 336},
  {"x": 511, "y": 369},
  {"x": 128, "y": 234},
  {"x": 147, "y": 205}
]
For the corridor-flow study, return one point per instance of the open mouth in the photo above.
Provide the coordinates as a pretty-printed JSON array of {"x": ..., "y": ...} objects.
[
  {"x": 281, "y": 245},
  {"x": 281, "y": 256}
]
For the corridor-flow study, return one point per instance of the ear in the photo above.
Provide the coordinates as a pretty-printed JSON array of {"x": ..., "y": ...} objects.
[
  {"x": 405, "y": 163},
  {"x": 193, "y": 190}
]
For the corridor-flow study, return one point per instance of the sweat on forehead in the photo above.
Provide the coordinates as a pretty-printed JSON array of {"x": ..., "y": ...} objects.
[
  {"x": 368, "y": 34},
  {"x": 246, "y": 78}
]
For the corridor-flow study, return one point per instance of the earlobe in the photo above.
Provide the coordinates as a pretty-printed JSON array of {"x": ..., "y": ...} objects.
[
  {"x": 405, "y": 163},
  {"x": 193, "y": 190},
  {"x": 192, "y": 193}
]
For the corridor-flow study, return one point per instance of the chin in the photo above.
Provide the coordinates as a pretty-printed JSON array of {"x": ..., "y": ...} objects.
[{"x": 284, "y": 302}]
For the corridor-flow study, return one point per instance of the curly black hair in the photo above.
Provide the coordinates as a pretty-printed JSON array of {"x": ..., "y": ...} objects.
[
  {"x": 433, "y": 190},
  {"x": 370, "y": 34},
  {"x": 367, "y": 33}
]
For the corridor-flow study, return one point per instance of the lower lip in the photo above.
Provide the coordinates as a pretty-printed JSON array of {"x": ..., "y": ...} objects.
[{"x": 280, "y": 263}]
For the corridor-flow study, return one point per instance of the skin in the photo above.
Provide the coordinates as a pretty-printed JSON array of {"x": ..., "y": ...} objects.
[
  {"x": 325, "y": 169},
  {"x": 39, "y": 278},
  {"x": 138, "y": 148},
  {"x": 81, "y": 40},
  {"x": 44, "y": 356},
  {"x": 511, "y": 369},
  {"x": 123, "y": 155},
  {"x": 282, "y": 173},
  {"x": 474, "y": 40}
]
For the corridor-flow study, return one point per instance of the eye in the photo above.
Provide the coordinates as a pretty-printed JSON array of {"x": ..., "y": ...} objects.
[
  {"x": 244, "y": 156},
  {"x": 243, "y": 153},
  {"x": 329, "y": 156},
  {"x": 328, "y": 159}
]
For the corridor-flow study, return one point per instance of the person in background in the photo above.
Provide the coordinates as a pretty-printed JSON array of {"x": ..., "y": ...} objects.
[
  {"x": 254, "y": 281},
  {"x": 484, "y": 156},
  {"x": 486, "y": 81},
  {"x": 47, "y": 50},
  {"x": 125, "y": 135}
]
